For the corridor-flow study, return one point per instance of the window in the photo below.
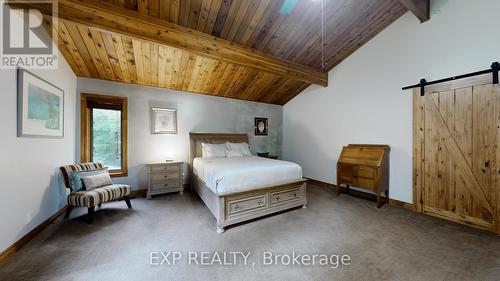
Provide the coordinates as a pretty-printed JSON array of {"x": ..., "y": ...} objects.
[{"x": 104, "y": 132}]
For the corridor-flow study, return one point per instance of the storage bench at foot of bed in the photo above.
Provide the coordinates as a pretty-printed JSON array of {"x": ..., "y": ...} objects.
[{"x": 238, "y": 207}]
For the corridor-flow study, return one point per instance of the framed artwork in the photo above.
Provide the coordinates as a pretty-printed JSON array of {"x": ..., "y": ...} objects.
[
  {"x": 40, "y": 107},
  {"x": 164, "y": 120},
  {"x": 260, "y": 126}
]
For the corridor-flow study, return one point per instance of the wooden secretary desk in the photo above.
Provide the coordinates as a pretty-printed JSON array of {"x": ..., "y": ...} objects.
[{"x": 365, "y": 166}]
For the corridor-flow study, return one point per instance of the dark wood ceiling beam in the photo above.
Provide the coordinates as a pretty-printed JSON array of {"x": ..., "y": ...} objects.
[
  {"x": 420, "y": 8},
  {"x": 111, "y": 18}
]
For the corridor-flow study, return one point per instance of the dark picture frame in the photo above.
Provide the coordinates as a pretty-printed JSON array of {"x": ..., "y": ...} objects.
[{"x": 261, "y": 126}]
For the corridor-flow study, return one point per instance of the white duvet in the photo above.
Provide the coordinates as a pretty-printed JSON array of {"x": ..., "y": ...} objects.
[{"x": 235, "y": 174}]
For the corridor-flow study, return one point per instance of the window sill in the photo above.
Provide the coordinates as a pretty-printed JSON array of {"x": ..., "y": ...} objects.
[{"x": 118, "y": 174}]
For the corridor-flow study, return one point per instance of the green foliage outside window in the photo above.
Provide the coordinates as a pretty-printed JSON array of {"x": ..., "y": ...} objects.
[{"x": 106, "y": 137}]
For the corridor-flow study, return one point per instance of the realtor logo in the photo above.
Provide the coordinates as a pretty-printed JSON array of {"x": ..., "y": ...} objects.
[{"x": 25, "y": 41}]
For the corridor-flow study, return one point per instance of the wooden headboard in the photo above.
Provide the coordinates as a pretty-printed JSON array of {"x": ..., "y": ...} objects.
[{"x": 195, "y": 140}]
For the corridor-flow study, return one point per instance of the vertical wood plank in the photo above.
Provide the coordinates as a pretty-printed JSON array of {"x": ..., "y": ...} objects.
[
  {"x": 73, "y": 49},
  {"x": 169, "y": 67},
  {"x": 496, "y": 91},
  {"x": 446, "y": 168},
  {"x": 146, "y": 62},
  {"x": 418, "y": 151},
  {"x": 154, "y": 64},
  {"x": 130, "y": 55},
  {"x": 212, "y": 16},
  {"x": 176, "y": 65},
  {"x": 464, "y": 203},
  {"x": 432, "y": 139},
  {"x": 122, "y": 57},
  {"x": 182, "y": 71},
  {"x": 164, "y": 12},
  {"x": 162, "y": 66},
  {"x": 203, "y": 15},
  {"x": 175, "y": 6},
  {"x": 90, "y": 46},
  {"x": 137, "y": 52},
  {"x": 484, "y": 137},
  {"x": 112, "y": 55}
]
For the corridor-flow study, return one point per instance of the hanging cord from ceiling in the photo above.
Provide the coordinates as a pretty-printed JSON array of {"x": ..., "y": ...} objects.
[{"x": 323, "y": 64}]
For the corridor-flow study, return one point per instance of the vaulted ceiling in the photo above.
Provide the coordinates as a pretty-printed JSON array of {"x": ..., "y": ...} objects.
[{"x": 290, "y": 40}]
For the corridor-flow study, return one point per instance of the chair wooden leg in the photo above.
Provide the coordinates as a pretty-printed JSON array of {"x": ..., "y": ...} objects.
[
  {"x": 99, "y": 205},
  {"x": 90, "y": 215},
  {"x": 127, "y": 200},
  {"x": 68, "y": 211}
]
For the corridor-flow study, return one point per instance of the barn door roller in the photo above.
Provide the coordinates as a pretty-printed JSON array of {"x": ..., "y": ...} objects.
[{"x": 494, "y": 69}]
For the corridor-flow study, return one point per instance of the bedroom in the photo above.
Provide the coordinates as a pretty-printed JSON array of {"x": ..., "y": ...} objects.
[{"x": 180, "y": 80}]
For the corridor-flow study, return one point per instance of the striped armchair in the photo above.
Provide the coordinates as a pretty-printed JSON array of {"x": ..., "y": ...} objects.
[{"x": 94, "y": 197}]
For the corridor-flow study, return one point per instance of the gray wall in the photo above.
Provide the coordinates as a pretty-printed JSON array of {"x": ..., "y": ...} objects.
[
  {"x": 31, "y": 188},
  {"x": 195, "y": 113},
  {"x": 364, "y": 102}
]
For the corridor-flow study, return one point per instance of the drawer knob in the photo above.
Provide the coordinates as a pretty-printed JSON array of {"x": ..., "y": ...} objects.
[
  {"x": 277, "y": 198},
  {"x": 165, "y": 176},
  {"x": 295, "y": 195},
  {"x": 165, "y": 184},
  {"x": 236, "y": 207},
  {"x": 259, "y": 202}
]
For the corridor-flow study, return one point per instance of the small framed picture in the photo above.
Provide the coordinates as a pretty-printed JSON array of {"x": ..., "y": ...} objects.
[
  {"x": 260, "y": 126},
  {"x": 40, "y": 107},
  {"x": 163, "y": 120}
]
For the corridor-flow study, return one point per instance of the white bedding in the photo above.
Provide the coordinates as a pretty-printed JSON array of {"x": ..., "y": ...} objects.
[{"x": 235, "y": 174}]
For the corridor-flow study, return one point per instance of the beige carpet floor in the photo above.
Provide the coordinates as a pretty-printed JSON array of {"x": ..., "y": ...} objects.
[{"x": 383, "y": 244}]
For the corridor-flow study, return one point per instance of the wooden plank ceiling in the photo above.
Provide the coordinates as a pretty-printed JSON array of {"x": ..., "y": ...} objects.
[{"x": 257, "y": 24}]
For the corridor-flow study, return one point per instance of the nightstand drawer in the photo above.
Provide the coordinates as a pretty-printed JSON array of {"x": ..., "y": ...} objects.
[
  {"x": 285, "y": 196},
  {"x": 164, "y": 168},
  {"x": 160, "y": 177},
  {"x": 166, "y": 184}
]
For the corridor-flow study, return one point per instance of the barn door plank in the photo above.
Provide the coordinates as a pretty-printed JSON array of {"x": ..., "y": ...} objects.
[
  {"x": 446, "y": 165},
  {"x": 433, "y": 115},
  {"x": 484, "y": 139},
  {"x": 431, "y": 158},
  {"x": 496, "y": 91},
  {"x": 463, "y": 137},
  {"x": 418, "y": 150}
]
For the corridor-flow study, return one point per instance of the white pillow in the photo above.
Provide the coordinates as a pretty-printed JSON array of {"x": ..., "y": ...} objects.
[
  {"x": 237, "y": 149},
  {"x": 213, "y": 150},
  {"x": 96, "y": 181}
]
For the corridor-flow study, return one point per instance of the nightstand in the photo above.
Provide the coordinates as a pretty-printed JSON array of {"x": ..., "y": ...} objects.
[{"x": 164, "y": 178}]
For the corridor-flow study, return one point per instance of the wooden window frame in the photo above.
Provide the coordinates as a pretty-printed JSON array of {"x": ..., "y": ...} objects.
[{"x": 89, "y": 101}]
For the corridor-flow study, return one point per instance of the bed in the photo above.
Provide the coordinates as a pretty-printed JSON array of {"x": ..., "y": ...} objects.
[{"x": 243, "y": 188}]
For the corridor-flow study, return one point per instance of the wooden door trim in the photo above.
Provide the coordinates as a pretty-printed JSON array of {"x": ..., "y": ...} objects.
[{"x": 418, "y": 148}]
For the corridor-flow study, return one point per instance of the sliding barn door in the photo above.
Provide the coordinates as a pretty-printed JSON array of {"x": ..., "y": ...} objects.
[{"x": 457, "y": 153}]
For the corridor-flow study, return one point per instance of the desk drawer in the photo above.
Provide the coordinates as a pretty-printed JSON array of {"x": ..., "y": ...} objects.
[
  {"x": 285, "y": 196},
  {"x": 246, "y": 204},
  {"x": 365, "y": 183},
  {"x": 160, "y": 177},
  {"x": 168, "y": 184},
  {"x": 366, "y": 172},
  {"x": 346, "y": 173}
]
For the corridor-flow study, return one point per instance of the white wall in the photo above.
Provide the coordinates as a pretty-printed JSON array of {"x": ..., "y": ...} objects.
[
  {"x": 31, "y": 189},
  {"x": 195, "y": 113},
  {"x": 364, "y": 102}
]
